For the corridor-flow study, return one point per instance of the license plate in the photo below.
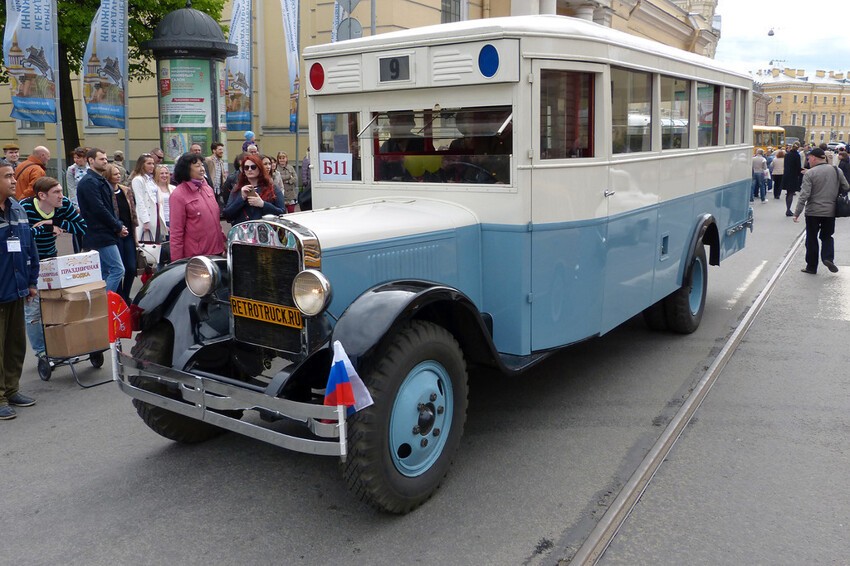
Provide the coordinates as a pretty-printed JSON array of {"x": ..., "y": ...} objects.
[{"x": 266, "y": 312}]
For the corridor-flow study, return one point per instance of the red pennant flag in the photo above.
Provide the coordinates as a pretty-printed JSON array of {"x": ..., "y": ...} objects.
[{"x": 119, "y": 318}]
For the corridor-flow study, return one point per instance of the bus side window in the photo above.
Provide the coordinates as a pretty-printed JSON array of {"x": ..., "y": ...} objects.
[{"x": 566, "y": 114}]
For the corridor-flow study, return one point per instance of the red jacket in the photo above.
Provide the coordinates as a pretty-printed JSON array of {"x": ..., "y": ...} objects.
[{"x": 195, "y": 227}]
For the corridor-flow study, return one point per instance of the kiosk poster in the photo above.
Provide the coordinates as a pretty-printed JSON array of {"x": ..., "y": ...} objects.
[
  {"x": 185, "y": 108},
  {"x": 30, "y": 60},
  {"x": 239, "y": 68},
  {"x": 105, "y": 61}
]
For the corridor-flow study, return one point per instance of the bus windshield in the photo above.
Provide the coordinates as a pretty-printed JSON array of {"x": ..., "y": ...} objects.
[{"x": 457, "y": 145}]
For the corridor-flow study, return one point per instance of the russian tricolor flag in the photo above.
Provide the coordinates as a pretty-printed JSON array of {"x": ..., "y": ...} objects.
[{"x": 344, "y": 385}]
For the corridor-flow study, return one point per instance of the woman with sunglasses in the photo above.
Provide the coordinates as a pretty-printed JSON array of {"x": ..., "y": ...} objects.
[
  {"x": 254, "y": 195},
  {"x": 195, "y": 225}
]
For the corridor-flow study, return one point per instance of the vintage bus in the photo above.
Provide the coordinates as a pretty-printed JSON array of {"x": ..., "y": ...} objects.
[
  {"x": 485, "y": 193},
  {"x": 768, "y": 136}
]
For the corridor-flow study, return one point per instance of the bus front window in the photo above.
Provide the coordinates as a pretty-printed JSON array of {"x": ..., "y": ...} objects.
[{"x": 457, "y": 145}]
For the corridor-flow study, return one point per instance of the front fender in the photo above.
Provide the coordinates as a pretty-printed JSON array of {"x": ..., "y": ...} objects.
[
  {"x": 705, "y": 232},
  {"x": 375, "y": 317},
  {"x": 166, "y": 298}
]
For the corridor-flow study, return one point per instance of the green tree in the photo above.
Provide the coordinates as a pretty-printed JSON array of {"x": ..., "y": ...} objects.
[{"x": 75, "y": 17}]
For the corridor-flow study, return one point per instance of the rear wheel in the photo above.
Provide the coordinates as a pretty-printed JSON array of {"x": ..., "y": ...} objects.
[
  {"x": 685, "y": 306},
  {"x": 155, "y": 345},
  {"x": 402, "y": 446}
]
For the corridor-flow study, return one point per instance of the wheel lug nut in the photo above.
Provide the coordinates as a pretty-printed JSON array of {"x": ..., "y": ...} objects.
[
  {"x": 433, "y": 397},
  {"x": 416, "y": 430},
  {"x": 424, "y": 443},
  {"x": 440, "y": 410},
  {"x": 436, "y": 432},
  {"x": 420, "y": 406}
]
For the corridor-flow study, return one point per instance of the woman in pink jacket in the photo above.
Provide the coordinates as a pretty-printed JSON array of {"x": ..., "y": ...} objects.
[{"x": 195, "y": 225}]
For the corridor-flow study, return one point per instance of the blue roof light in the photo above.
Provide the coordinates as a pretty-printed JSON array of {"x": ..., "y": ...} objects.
[{"x": 488, "y": 61}]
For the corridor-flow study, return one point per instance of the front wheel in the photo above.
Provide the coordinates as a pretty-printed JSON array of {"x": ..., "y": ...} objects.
[
  {"x": 401, "y": 447},
  {"x": 154, "y": 345},
  {"x": 685, "y": 306}
]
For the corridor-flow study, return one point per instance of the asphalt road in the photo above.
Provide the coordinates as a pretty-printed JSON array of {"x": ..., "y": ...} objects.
[{"x": 88, "y": 483}]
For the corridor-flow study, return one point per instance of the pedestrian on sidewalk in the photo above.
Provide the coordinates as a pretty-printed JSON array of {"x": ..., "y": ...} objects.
[
  {"x": 18, "y": 279},
  {"x": 820, "y": 189},
  {"x": 777, "y": 171},
  {"x": 792, "y": 177},
  {"x": 50, "y": 213},
  {"x": 100, "y": 211},
  {"x": 759, "y": 184}
]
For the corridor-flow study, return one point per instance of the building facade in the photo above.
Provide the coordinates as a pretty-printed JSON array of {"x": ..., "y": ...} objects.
[
  {"x": 818, "y": 102},
  {"x": 686, "y": 24}
]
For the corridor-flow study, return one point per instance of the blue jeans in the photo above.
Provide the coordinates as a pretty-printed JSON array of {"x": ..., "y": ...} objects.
[
  {"x": 35, "y": 330},
  {"x": 759, "y": 186},
  {"x": 111, "y": 267}
]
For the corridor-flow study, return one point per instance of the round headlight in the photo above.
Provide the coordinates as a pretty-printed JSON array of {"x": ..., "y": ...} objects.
[
  {"x": 311, "y": 292},
  {"x": 202, "y": 276}
]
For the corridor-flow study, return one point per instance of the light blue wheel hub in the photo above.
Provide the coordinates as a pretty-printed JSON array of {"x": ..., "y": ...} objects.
[
  {"x": 697, "y": 284},
  {"x": 421, "y": 418}
]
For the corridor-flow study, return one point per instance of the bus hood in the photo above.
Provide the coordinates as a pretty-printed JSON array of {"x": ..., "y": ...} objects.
[{"x": 380, "y": 219}]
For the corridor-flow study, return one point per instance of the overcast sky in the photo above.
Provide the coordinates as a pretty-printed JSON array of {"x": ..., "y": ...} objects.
[{"x": 804, "y": 37}]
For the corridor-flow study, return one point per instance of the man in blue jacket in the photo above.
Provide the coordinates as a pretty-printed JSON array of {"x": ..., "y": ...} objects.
[
  {"x": 18, "y": 279},
  {"x": 103, "y": 228}
]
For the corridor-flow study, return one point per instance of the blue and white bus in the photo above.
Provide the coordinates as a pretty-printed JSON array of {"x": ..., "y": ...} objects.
[{"x": 485, "y": 193}]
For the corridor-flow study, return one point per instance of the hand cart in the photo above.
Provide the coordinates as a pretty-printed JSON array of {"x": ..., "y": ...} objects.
[{"x": 47, "y": 363}]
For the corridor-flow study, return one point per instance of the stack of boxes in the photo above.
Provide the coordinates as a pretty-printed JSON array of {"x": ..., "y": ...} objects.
[{"x": 73, "y": 305}]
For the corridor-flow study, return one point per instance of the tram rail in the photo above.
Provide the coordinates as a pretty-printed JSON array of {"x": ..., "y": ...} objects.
[{"x": 606, "y": 529}]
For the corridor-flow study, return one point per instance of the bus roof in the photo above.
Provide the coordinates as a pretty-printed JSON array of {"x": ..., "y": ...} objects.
[{"x": 515, "y": 27}]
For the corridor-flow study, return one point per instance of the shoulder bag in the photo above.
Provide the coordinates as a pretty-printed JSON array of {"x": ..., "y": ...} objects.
[{"x": 842, "y": 202}]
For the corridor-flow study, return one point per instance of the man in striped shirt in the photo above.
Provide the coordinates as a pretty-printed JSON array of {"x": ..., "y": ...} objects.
[{"x": 49, "y": 214}]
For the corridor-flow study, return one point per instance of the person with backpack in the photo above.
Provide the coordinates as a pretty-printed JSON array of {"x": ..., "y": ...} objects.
[{"x": 30, "y": 170}]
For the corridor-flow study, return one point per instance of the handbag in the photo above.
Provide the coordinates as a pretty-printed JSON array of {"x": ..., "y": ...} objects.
[
  {"x": 842, "y": 202},
  {"x": 147, "y": 255}
]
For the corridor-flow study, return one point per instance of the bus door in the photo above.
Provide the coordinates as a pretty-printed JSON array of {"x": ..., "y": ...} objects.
[{"x": 569, "y": 206}]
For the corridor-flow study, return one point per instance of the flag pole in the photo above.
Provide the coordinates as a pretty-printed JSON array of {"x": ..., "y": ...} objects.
[
  {"x": 126, "y": 73},
  {"x": 298, "y": 102},
  {"x": 59, "y": 144}
]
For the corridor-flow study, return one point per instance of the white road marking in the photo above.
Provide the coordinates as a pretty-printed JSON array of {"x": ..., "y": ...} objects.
[{"x": 739, "y": 292}]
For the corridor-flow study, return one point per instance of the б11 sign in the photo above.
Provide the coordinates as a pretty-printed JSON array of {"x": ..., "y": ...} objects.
[{"x": 335, "y": 166}]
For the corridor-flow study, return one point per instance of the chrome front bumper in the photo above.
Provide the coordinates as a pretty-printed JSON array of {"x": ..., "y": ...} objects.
[{"x": 202, "y": 397}]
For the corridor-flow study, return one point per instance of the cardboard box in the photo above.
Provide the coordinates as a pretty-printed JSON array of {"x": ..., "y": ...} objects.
[
  {"x": 77, "y": 338},
  {"x": 69, "y": 270},
  {"x": 72, "y": 304}
]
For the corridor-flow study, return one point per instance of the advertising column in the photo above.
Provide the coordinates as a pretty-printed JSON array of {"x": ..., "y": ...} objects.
[{"x": 185, "y": 105}]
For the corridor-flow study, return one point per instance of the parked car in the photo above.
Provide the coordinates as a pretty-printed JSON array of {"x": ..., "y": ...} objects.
[{"x": 836, "y": 146}]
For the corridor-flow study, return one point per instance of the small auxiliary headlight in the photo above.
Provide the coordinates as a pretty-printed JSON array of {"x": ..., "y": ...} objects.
[
  {"x": 311, "y": 292},
  {"x": 202, "y": 276}
]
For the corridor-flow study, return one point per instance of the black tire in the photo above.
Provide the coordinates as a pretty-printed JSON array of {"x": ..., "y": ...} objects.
[
  {"x": 388, "y": 466},
  {"x": 44, "y": 369},
  {"x": 154, "y": 345},
  {"x": 96, "y": 359},
  {"x": 685, "y": 306},
  {"x": 654, "y": 317}
]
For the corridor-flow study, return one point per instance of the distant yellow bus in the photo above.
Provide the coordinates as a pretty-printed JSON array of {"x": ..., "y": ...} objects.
[{"x": 768, "y": 136}]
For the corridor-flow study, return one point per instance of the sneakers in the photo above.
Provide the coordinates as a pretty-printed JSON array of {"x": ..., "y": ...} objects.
[
  {"x": 7, "y": 412},
  {"x": 831, "y": 266},
  {"x": 21, "y": 400},
  {"x": 789, "y": 213},
  {"x": 809, "y": 271}
]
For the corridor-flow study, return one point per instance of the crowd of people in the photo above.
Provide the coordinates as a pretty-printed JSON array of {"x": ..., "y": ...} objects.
[{"x": 110, "y": 210}]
